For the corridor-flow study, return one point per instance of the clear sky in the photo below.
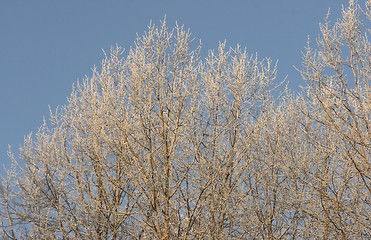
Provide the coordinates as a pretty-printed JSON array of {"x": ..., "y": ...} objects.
[{"x": 46, "y": 46}]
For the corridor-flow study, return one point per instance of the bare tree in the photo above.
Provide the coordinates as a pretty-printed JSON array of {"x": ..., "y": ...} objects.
[
  {"x": 152, "y": 146},
  {"x": 161, "y": 144},
  {"x": 337, "y": 112}
]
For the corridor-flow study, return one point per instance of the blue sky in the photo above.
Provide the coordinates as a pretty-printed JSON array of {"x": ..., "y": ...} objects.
[{"x": 46, "y": 46}]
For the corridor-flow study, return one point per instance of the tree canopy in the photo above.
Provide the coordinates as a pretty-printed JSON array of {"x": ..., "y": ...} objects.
[{"x": 160, "y": 143}]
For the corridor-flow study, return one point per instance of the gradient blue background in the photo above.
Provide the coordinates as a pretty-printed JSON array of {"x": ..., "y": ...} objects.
[{"x": 46, "y": 46}]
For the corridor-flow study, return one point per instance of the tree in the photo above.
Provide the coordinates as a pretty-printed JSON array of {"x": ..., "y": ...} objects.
[
  {"x": 149, "y": 147},
  {"x": 161, "y": 144},
  {"x": 337, "y": 112}
]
